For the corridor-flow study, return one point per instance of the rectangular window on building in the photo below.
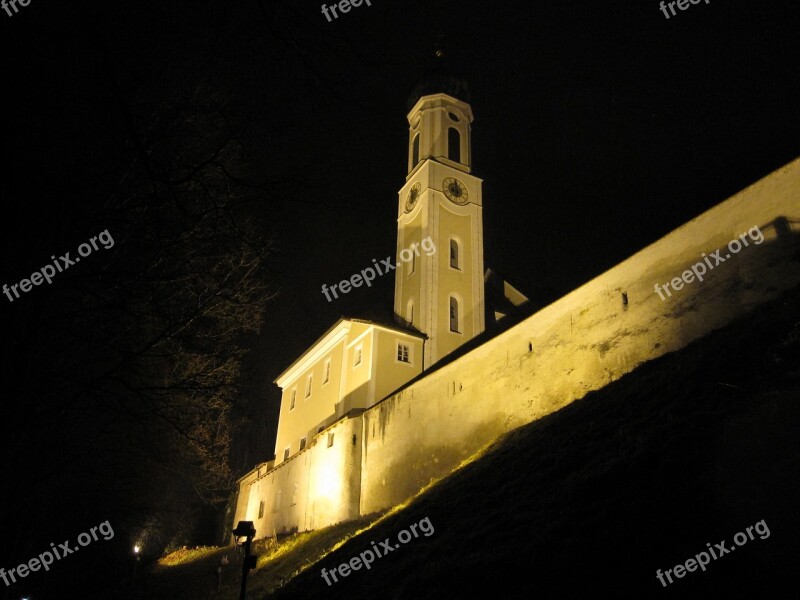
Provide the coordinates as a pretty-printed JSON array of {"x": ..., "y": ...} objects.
[
  {"x": 308, "y": 385},
  {"x": 294, "y": 398},
  {"x": 402, "y": 353},
  {"x": 303, "y": 444},
  {"x": 357, "y": 356},
  {"x": 261, "y": 509},
  {"x": 330, "y": 440},
  {"x": 286, "y": 452},
  {"x": 327, "y": 370}
]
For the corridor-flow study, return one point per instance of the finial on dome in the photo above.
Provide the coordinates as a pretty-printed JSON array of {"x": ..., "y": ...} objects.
[{"x": 439, "y": 51}]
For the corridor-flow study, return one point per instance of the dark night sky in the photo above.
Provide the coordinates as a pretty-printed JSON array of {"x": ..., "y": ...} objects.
[{"x": 599, "y": 127}]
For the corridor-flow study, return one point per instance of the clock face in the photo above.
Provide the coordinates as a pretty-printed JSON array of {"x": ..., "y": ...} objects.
[
  {"x": 455, "y": 191},
  {"x": 413, "y": 196}
]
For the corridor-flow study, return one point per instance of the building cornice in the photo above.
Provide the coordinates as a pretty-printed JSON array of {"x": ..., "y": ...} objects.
[
  {"x": 322, "y": 346},
  {"x": 440, "y": 101},
  {"x": 327, "y": 342}
]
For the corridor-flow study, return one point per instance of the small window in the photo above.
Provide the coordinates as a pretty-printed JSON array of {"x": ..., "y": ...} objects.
[
  {"x": 454, "y": 144},
  {"x": 261, "y": 509},
  {"x": 308, "y": 385},
  {"x": 454, "y": 315},
  {"x": 302, "y": 444},
  {"x": 286, "y": 452},
  {"x": 294, "y": 398},
  {"x": 357, "y": 356},
  {"x": 410, "y": 312},
  {"x": 412, "y": 265},
  {"x": 454, "y": 255},
  {"x": 402, "y": 353},
  {"x": 327, "y": 377},
  {"x": 330, "y": 440},
  {"x": 453, "y": 117},
  {"x": 415, "y": 151}
]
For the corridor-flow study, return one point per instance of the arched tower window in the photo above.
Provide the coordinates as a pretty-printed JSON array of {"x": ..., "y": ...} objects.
[
  {"x": 454, "y": 315},
  {"x": 455, "y": 259},
  {"x": 454, "y": 144},
  {"x": 415, "y": 151}
]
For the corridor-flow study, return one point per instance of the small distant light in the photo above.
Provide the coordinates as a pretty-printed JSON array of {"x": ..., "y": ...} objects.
[{"x": 136, "y": 549}]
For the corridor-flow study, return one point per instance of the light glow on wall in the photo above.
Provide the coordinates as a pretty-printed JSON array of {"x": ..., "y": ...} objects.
[{"x": 330, "y": 479}]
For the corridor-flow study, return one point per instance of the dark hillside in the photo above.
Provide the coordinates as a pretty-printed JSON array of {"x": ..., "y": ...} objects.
[{"x": 589, "y": 502}]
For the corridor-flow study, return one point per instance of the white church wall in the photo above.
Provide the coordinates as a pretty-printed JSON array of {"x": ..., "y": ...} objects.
[
  {"x": 315, "y": 488},
  {"x": 584, "y": 341},
  {"x": 390, "y": 373}
]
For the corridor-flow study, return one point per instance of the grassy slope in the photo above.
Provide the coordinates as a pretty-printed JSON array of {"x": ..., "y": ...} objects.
[
  {"x": 192, "y": 574},
  {"x": 589, "y": 501}
]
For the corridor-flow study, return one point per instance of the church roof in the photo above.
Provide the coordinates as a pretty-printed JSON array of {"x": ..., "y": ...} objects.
[
  {"x": 390, "y": 325},
  {"x": 500, "y": 295}
]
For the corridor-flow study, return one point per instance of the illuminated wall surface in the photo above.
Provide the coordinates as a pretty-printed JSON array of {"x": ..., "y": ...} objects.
[
  {"x": 313, "y": 489},
  {"x": 579, "y": 343},
  {"x": 350, "y": 384}
]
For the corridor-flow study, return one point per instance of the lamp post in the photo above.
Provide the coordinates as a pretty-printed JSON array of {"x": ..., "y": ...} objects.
[
  {"x": 246, "y": 530},
  {"x": 136, "y": 550}
]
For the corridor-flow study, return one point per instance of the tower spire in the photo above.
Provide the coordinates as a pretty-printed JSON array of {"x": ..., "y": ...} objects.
[{"x": 438, "y": 25}]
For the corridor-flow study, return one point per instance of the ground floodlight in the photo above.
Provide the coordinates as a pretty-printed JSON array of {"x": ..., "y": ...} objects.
[{"x": 245, "y": 529}]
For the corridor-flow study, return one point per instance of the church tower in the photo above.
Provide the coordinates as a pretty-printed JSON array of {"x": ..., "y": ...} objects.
[{"x": 440, "y": 293}]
